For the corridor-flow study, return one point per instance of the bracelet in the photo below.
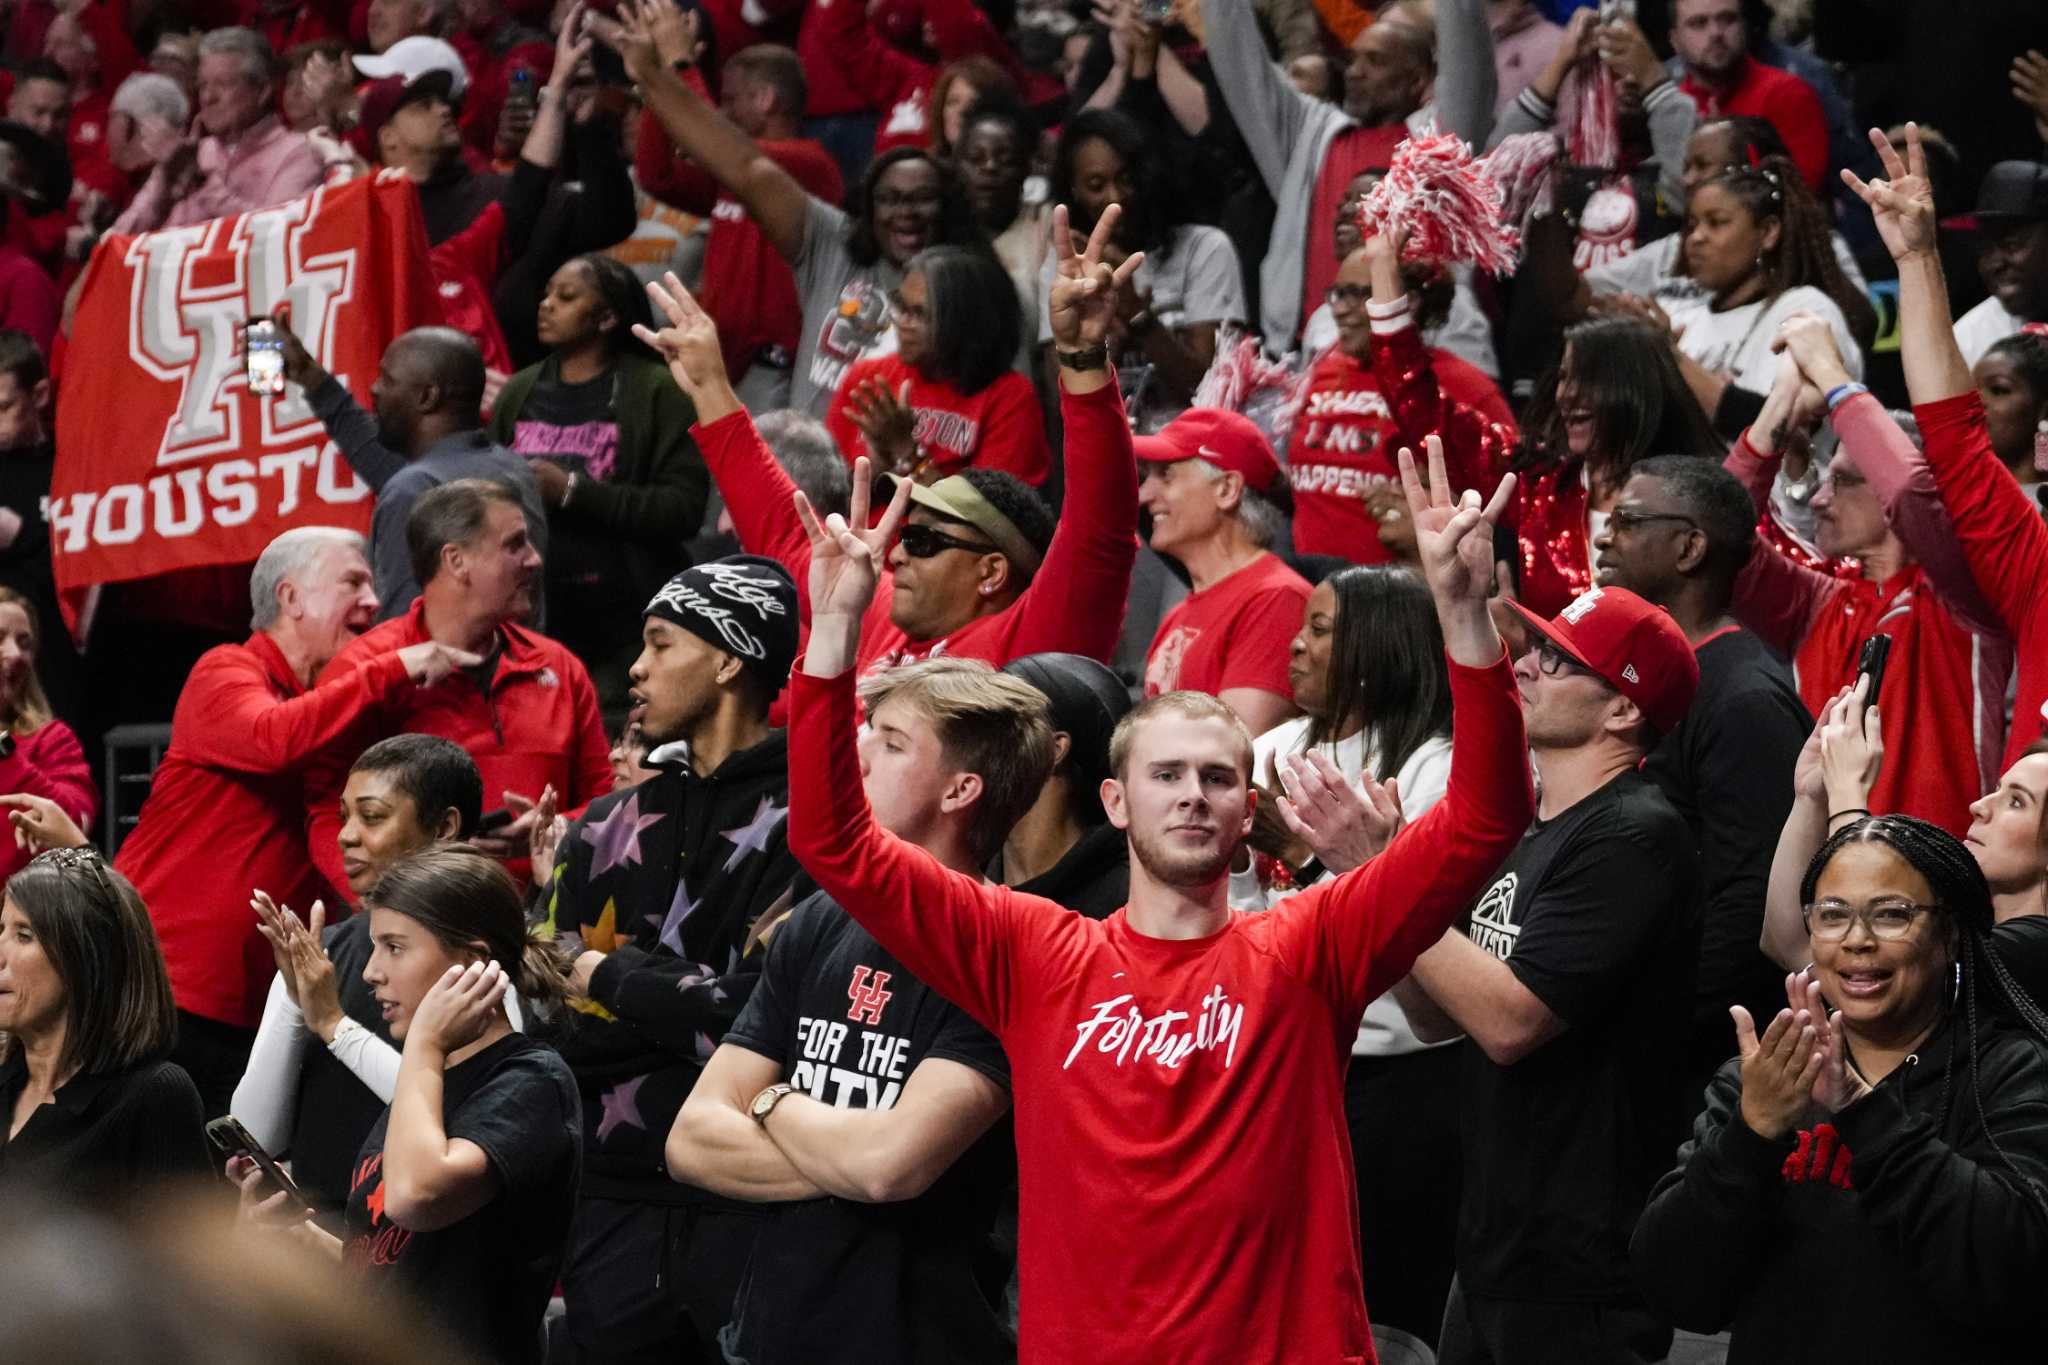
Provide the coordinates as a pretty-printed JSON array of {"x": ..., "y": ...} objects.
[
  {"x": 341, "y": 1031},
  {"x": 1309, "y": 872},
  {"x": 1835, "y": 815},
  {"x": 1095, "y": 357},
  {"x": 1842, "y": 393}
]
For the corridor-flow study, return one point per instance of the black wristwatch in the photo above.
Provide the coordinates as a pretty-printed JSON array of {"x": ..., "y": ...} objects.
[
  {"x": 1309, "y": 872},
  {"x": 1096, "y": 357}
]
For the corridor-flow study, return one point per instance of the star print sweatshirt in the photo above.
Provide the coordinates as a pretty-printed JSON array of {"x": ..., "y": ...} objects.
[{"x": 669, "y": 880}]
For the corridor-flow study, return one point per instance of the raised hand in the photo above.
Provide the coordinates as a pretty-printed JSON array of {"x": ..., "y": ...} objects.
[
  {"x": 1809, "y": 780},
  {"x": 1778, "y": 1070},
  {"x": 677, "y": 35},
  {"x": 846, "y": 553},
  {"x": 546, "y": 836},
  {"x": 1082, "y": 303},
  {"x": 887, "y": 423},
  {"x": 1346, "y": 823},
  {"x": 1454, "y": 541},
  {"x": 302, "y": 961},
  {"x": 516, "y": 839},
  {"x": 458, "y": 1008},
  {"x": 2030, "y": 87},
  {"x": 1852, "y": 750},
  {"x": 429, "y": 661},
  {"x": 1811, "y": 344},
  {"x": 40, "y": 823},
  {"x": 1902, "y": 201},
  {"x": 689, "y": 344},
  {"x": 628, "y": 32},
  {"x": 572, "y": 47}
]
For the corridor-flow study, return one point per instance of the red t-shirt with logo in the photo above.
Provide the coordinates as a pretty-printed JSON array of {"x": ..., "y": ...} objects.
[
  {"x": 1234, "y": 633},
  {"x": 1001, "y": 427}
]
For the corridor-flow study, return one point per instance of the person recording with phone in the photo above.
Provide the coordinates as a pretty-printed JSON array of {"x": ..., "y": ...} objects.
[
  {"x": 94, "y": 1106},
  {"x": 462, "y": 1192}
]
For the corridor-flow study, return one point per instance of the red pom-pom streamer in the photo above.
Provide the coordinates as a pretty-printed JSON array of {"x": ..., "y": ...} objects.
[
  {"x": 1242, "y": 379},
  {"x": 1446, "y": 203}
]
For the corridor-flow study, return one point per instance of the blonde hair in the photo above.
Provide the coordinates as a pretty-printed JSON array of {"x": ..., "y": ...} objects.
[
  {"x": 32, "y": 708},
  {"x": 1188, "y": 705},
  {"x": 990, "y": 724}
]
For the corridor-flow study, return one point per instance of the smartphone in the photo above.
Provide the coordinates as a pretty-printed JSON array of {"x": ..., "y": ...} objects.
[
  {"x": 1155, "y": 12},
  {"x": 230, "y": 1138},
  {"x": 1617, "y": 11},
  {"x": 263, "y": 354},
  {"x": 1876, "y": 651},
  {"x": 522, "y": 91},
  {"x": 493, "y": 820}
]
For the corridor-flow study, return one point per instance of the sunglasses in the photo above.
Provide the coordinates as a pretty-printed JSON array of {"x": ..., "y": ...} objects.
[{"x": 922, "y": 542}]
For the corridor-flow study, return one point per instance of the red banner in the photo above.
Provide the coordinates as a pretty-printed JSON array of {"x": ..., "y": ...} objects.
[{"x": 165, "y": 459}]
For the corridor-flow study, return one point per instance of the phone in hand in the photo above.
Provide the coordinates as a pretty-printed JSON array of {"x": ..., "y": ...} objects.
[
  {"x": 1877, "y": 650},
  {"x": 263, "y": 355},
  {"x": 231, "y": 1139},
  {"x": 1617, "y": 11},
  {"x": 1157, "y": 13},
  {"x": 491, "y": 821}
]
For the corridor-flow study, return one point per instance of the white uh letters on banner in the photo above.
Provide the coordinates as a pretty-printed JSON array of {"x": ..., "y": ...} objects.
[{"x": 186, "y": 333}]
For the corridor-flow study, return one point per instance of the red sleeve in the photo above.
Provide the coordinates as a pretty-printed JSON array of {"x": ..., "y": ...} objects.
[
  {"x": 1475, "y": 449},
  {"x": 50, "y": 764},
  {"x": 228, "y": 717},
  {"x": 1095, "y": 542},
  {"x": 477, "y": 251},
  {"x": 2001, "y": 532},
  {"x": 668, "y": 175},
  {"x": 955, "y": 933},
  {"x": 1775, "y": 596},
  {"x": 1796, "y": 113},
  {"x": 1357, "y": 935},
  {"x": 1013, "y": 432},
  {"x": 850, "y": 68}
]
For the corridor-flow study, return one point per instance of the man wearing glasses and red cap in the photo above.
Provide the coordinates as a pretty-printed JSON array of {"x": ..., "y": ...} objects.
[
  {"x": 1217, "y": 495},
  {"x": 1574, "y": 979}
]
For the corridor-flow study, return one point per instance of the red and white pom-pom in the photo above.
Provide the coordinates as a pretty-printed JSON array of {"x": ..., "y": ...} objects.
[
  {"x": 1242, "y": 379},
  {"x": 1449, "y": 207},
  {"x": 1589, "y": 116},
  {"x": 1524, "y": 166}
]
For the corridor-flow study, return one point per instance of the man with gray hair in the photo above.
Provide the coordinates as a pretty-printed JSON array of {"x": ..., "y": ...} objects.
[
  {"x": 427, "y": 430},
  {"x": 1217, "y": 498},
  {"x": 246, "y": 160},
  {"x": 225, "y": 816}
]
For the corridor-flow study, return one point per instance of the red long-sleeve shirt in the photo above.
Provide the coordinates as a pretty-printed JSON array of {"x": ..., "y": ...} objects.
[
  {"x": 2004, "y": 542},
  {"x": 225, "y": 815},
  {"x": 1781, "y": 99},
  {"x": 852, "y": 70},
  {"x": 1183, "y": 1163},
  {"x": 1001, "y": 427},
  {"x": 1943, "y": 708},
  {"x": 47, "y": 763},
  {"x": 537, "y": 725},
  {"x": 1089, "y": 561}
]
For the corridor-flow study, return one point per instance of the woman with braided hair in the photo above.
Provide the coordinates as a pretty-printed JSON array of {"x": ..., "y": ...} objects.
[{"x": 1869, "y": 1184}]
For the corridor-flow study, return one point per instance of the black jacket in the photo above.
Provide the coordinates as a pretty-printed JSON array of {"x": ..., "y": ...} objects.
[
  {"x": 668, "y": 879},
  {"x": 1093, "y": 879},
  {"x": 1893, "y": 1234}
]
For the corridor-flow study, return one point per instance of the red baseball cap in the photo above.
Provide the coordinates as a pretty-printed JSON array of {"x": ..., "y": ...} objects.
[
  {"x": 1633, "y": 645},
  {"x": 1229, "y": 440}
]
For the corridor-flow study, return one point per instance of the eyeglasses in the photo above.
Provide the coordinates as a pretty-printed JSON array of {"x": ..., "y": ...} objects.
[
  {"x": 922, "y": 542},
  {"x": 1890, "y": 921},
  {"x": 1347, "y": 295},
  {"x": 1841, "y": 478},
  {"x": 1553, "y": 662},
  {"x": 921, "y": 199},
  {"x": 1628, "y": 519},
  {"x": 905, "y": 312}
]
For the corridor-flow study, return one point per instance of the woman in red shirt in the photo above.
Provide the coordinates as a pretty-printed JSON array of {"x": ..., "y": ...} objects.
[
  {"x": 947, "y": 399},
  {"x": 39, "y": 755}
]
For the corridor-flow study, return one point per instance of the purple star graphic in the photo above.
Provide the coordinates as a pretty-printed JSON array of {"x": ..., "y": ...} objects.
[
  {"x": 755, "y": 833},
  {"x": 616, "y": 838},
  {"x": 680, "y": 909},
  {"x": 621, "y": 1107}
]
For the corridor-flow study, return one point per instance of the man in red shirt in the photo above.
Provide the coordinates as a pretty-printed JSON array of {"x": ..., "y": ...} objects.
[
  {"x": 225, "y": 815},
  {"x": 748, "y": 288},
  {"x": 1177, "y": 1069},
  {"x": 1711, "y": 39},
  {"x": 1216, "y": 495},
  {"x": 982, "y": 572},
  {"x": 527, "y": 715}
]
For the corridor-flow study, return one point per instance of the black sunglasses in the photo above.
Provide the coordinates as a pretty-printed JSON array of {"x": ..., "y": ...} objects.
[{"x": 922, "y": 542}]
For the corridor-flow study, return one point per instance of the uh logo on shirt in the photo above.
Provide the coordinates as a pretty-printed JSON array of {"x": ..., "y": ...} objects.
[
  {"x": 867, "y": 1075},
  {"x": 1493, "y": 923}
]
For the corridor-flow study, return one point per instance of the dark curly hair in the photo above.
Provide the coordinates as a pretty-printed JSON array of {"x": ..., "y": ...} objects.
[
  {"x": 1018, "y": 502},
  {"x": 955, "y": 225},
  {"x": 1150, "y": 218}
]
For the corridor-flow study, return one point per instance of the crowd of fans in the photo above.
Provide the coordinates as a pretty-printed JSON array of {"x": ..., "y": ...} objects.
[{"x": 992, "y": 710}]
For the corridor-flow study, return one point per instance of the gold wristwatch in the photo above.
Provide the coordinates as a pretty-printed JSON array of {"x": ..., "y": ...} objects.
[{"x": 765, "y": 1102}]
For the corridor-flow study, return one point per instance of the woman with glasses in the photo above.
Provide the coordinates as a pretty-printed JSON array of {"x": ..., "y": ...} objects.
[
  {"x": 93, "y": 1105},
  {"x": 948, "y": 399},
  {"x": 1381, "y": 387},
  {"x": 1870, "y": 1179},
  {"x": 39, "y": 755}
]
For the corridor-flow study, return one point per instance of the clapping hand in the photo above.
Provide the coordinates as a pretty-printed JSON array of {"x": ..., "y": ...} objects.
[
  {"x": 1346, "y": 823},
  {"x": 847, "y": 553},
  {"x": 1454, "y": 541},
  {"x": 887, "y": 423},
  {"x": 1082, "y": 304},
  {"x": 1778, "y": 1070},
  {"x": 1902, "y": 202},
  {"x": 302, "y": 961},
  {"x": 689, "y": 345},
  {"x": 514, "y": 840}
]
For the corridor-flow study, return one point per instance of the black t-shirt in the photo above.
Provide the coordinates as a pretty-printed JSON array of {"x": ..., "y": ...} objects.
[
  {"x": 488, "y": 1277},
  {"x": 577, "y": 427},
  {"x": 1596, "y": 914},
  {"x": 2022, "y": 945},
  {"x": 833, "y": 1280},
  {"x": 335, "y": 1110}
]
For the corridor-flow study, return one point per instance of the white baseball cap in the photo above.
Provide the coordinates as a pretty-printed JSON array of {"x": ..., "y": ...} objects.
[{"x": 414, "y": 57}]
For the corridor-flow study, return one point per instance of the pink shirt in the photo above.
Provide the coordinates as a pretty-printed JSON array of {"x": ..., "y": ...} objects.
[
  {"x": 1523, "y": 44},
  {"x": 266, "y": 165}
]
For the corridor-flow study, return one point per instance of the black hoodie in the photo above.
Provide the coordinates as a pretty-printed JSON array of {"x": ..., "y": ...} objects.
[
  {"x": 668, "y": 879},
  {"x": 1893, "y": 1234}
]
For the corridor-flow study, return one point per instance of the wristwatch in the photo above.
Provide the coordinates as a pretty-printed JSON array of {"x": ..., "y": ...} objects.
[
  {"x": 1095, "y": 357},
  {"x": 765, "y": 1102}
]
